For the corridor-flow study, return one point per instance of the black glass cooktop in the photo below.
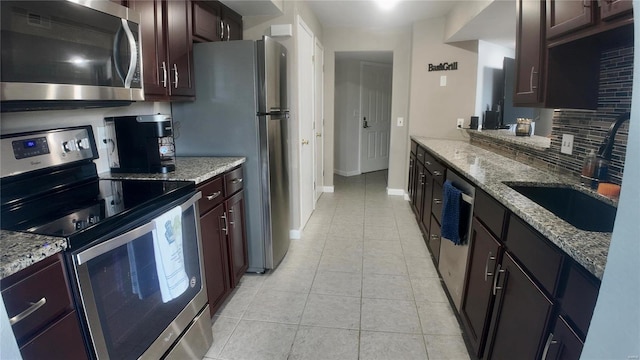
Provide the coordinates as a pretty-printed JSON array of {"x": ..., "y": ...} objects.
[{"x": 72, "y": 210}]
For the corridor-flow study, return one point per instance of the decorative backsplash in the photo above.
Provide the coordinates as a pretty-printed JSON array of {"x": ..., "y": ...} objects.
[{"x": 588, "y": 127}]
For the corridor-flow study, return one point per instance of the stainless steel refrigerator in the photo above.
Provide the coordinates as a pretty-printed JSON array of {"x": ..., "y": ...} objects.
[{"x": 241, "y": 110}]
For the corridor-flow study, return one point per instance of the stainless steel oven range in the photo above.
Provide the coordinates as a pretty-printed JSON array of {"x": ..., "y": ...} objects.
[{"x": 134, "y": 252}]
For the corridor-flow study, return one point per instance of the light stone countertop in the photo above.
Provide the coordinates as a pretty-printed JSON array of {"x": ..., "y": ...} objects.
[
  {"x": 196, "y": 169},
  {"x": 533, "y": 141},
  {"x": 488, "y": 171},
  {"x": 19, "y": 250}
]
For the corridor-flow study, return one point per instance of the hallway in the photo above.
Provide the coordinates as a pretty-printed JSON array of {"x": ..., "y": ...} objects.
[{"x": 359, "y": 284}]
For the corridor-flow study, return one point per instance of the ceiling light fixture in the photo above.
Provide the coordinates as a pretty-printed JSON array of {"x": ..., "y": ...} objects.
[{"x": 386, "y": 4}]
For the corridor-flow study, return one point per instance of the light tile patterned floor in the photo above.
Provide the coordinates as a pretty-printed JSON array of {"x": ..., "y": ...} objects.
[{"x": 358, "y": 285}]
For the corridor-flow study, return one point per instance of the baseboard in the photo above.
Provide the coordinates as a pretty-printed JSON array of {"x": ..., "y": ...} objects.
[
  {"x": 406, "y": 197},
  {"x": 328, "y": 189},
  {"x": 346, "y": 173},
  {"x": 295, "y": 234},
  {"x": 395, "y": 192}
]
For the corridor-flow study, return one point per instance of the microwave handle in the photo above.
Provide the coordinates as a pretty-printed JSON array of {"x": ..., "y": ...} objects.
[
  {"x": 116, "y": 53},
  {"x": 104, "y": 247},
  {"x": 133, "y": 50}
]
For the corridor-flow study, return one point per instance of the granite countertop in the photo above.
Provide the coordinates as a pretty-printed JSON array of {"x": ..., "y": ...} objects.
[
  {"x": 488, "y": 171},
  {"x": 196, "y": 169},
  {"x": 533, "y": 141},
  {"x": 19, "y": 250}
]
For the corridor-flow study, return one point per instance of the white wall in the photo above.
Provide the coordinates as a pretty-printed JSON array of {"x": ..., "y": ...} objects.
[
  {"x": 615, "y": 327},
  {"x": 434, "y": 108},
  {"x": 397, "y": 40},
  {"x": 254, "y": 27},
  {"x": 463, "y": 13},
  {"x": 346, "y": 117},
  {"x": 49, "y": 119}
]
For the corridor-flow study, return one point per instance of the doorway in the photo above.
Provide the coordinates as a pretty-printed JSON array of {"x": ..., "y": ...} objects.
[{"x": 362, "y": 119}]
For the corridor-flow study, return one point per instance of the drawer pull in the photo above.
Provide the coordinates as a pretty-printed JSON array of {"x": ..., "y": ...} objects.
[
  {"x": 437, "y": 201},
  {"x": 435, "y": 236},
  {"x": 428, "y": 162},
  {"x": 437, "y": 173},
  {"x": 34, "y": 306},
  {"x": 236, "y": 181},
  {"x": 214, "y": 195}
]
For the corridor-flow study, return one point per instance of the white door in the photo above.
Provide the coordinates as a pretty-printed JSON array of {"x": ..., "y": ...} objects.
[
  {"x": 318, "y": 123},
  {"x": 305, "y": 117},
  {"x": 375, "y": 116}
]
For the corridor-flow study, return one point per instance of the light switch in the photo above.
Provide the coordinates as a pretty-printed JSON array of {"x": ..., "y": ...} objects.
[
  {"x": 400, "y": 121},
  {"x": 443, "y": 80}
]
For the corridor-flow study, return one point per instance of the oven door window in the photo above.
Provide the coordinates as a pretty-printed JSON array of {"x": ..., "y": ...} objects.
[
  {"x": 59, "y": 42},
  {"x": 131, "y": 294}
]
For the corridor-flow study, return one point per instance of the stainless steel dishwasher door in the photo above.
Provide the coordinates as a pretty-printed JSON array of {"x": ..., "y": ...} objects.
[{"x": 453, "y": 258}]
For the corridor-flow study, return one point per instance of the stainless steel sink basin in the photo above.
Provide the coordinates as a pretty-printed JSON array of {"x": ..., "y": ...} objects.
[{"x": 573, "y": 206}]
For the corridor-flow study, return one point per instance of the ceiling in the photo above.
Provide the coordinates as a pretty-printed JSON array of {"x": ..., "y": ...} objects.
[{"x": 495, "y": 24}]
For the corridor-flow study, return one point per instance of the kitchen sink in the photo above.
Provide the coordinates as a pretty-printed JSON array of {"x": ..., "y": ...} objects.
[{"x": 573, "y": 206}]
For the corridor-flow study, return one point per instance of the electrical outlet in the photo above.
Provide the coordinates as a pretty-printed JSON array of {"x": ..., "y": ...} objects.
[
  {"x": 567, "y": 144},
  {"x": 443, "y": 80},
  {"x": 460, "y": 123},
  {"x": 400, "y": 121}
]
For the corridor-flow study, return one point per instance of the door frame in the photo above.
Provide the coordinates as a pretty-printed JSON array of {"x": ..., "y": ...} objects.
[
  {"x": 318, "y": 118},
  {"x": 304, "y": 27},
  {"x": 362, "y": 63}
]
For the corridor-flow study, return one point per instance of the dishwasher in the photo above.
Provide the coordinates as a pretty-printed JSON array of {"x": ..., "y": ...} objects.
[{"x": 453, "y": 258}]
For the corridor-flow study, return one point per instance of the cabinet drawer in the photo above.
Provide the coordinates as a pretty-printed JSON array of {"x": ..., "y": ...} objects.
[
  {"x": 420, "y": 154},
  {"x": 212, "y": 194},
  {"x": 579, "y": 297},
  {"x": 489, "y": 212},
  {"x": 532, "y": 250},
  {"x": 437, "y": 202},
  {"x": 47, "y": 283},
  {"x": 233, "y": 181},
  {"x": 414, "y": 147},
  {"x": 62, "y": 340},
  {"x": 435, "y": 168}
]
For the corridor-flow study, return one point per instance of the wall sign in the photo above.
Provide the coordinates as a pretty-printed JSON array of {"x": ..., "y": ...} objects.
[{"x": 444, "y": 66}]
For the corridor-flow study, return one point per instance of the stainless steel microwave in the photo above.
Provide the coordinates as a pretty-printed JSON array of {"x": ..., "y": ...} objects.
[{"x": 81, "y": 50}]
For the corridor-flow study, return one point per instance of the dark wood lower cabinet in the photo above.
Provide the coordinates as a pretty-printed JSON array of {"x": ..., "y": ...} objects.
[
  {"x": 520, "y": 315},
  {"x": 562, "y": 343},
  {"x": 214, "y": 248},
  {"x": 62, "y": 340},
  {"x": 237, "y": 237},
  {"x": 477, "y": 300}
]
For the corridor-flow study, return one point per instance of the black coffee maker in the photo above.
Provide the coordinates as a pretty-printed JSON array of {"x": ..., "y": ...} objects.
[{"x": 141, "y": 144}]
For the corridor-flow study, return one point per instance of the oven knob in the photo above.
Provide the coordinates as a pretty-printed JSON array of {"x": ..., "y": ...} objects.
[
  {"x": 83, "y": 144},
  {"x": 69, "y": 146}
]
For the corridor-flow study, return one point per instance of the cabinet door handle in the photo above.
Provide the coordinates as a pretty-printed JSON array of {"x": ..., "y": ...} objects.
[
  {"x": 164, "y": 74},
  {"x": 531, "y": 86},
  {"x": 410, "y": 163},
  {"x": 490, "y": 257},
  {"x": 214, "y": 195},
  {"x": 224, "y": 227},
  {"x": 175, "y": 73},
  {"x": 422, "y": 179},
  {"x": 495, "y": 280},
  {"x": 437, "y": 201},
  {"x": 228, "y": 33},
  {"x": 221, "y": 30},
  {"x": 236, "y": 181},
  {"x": 30, "y": 310},
  {"x": 550, "y": 342}
]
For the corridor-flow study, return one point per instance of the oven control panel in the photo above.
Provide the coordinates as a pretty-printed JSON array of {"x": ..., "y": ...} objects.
[{"x": 37, "y": 150}]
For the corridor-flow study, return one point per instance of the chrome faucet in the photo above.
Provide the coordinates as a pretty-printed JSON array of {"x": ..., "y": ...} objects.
[{"x": 604, "y": 152}]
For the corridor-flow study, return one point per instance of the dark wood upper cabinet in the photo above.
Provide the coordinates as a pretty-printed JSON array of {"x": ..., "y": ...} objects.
[
  {"x": 207, "y": 21},
  {"x": 530, "y": 53},
  {"x": 567, "y": 16},
  {"x": 610, "y": 9},
  {"x": 166, "y": 49},
  {"x": 232, "y": 25}
]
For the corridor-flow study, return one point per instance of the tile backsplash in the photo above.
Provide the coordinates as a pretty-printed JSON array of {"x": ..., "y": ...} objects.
[{"x": 588, "y": 127}]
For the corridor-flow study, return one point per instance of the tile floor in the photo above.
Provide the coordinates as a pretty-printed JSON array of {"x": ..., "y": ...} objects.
[{"x": 359, "y": 284}]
